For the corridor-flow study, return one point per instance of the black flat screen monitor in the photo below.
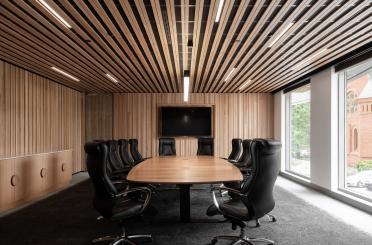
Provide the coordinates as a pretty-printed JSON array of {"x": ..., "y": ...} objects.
[{"x": 185, "y": 121}]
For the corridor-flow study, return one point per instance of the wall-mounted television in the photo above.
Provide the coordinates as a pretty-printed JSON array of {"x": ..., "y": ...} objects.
[{"x": 185, "y": 121}]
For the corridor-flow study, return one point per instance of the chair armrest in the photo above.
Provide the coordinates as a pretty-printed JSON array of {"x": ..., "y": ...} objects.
[
  {"x": 137, "y": 189},
  {"x": 219, "y": 189}
]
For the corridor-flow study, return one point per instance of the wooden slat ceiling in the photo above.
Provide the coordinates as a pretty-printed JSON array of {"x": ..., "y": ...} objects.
[{"x": 145, "y": 43}]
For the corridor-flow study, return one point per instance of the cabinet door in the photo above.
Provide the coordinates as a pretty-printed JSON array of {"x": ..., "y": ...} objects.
[
  {"x": 50, "y": 179},
  {"x": 64, "y": 168},
  {"x": 29, "y": 171},
  {"x": 7, "y": 182}
]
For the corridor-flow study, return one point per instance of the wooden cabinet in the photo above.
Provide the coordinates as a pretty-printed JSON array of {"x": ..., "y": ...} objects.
[
  {"x": 7, "y": 180},
  {"x": 25, "y": 178}
]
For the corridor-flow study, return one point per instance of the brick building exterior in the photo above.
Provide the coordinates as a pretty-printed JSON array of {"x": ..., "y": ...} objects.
[{"x": 359, "y": 119}]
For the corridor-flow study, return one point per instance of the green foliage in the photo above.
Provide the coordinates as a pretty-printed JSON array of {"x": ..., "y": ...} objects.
[
  {"x": 364, "y": 165},
  {"x": 300, "y": 130}
]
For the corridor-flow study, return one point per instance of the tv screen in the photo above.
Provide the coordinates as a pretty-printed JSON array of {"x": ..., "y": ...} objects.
[{"x": 185, "y": 121}]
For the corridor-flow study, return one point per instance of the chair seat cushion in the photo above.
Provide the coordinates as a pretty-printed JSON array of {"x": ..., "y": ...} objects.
[
  {"x": 126, "y": 208},
  {"x": 233, "y": 208}
]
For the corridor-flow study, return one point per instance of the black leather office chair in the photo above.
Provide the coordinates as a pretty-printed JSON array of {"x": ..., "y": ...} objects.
[
  {"x": 244, "y": 163},
  {"x": 124, "y": 152},
  {"x": 167, "y": 147},
  {"x": 116, "y": 167},
  {"x": 108, "y": 201},
  {"x": 256, "y": 194},
  {"x": 236, "y": 150},
  {"x": 205, "y": 147},
  {"x": 137, "y": 157}
]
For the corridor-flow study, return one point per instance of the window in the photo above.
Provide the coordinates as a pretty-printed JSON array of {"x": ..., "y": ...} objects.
[
  {"x": 355, "y": 139},
  {"x": 298, "y": 131},
  {"x": 355, "y": 170}
]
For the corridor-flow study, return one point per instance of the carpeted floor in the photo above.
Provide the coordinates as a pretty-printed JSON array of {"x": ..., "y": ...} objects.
[{"x": 68, "y": 218}]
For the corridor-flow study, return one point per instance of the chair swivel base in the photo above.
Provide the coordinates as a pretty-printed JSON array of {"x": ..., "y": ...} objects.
[
  {"x": 123, "y": 239},
  {"x": 242, "y": 239}
]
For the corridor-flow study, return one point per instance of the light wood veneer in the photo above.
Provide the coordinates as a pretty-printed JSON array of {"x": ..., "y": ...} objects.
[{"x": 184, "y": 170}]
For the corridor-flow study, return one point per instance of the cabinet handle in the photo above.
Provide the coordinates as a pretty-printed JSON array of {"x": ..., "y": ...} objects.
[
  {"x": 43, "y": 172},
  {"x": 14, "y": 180},
  {"x": 63, "y": 167}
]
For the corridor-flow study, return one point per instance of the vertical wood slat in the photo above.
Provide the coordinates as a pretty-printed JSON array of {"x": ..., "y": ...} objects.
[
  {"x": 38, "y": 115},
  {"x": 235, "y": 115}
]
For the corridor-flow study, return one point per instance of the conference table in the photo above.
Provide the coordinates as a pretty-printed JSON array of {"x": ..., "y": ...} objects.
[{"x": 184, "y": 172}]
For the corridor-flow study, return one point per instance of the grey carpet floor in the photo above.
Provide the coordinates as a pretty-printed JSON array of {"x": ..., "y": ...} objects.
[{"x": 69, "y": 218}]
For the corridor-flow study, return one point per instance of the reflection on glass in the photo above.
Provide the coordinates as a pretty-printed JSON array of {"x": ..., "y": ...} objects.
[
  {"x": 299, "y": 127},
  {"x": 358, "y": 129}
]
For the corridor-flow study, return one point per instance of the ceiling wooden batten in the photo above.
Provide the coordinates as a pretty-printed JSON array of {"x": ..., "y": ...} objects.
[{"x": 148, "y": 44}]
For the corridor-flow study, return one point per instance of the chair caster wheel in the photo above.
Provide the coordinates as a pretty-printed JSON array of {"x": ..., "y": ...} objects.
[
  {"x": 214, "y": 241},
  {"x": 274, "y": 219}
]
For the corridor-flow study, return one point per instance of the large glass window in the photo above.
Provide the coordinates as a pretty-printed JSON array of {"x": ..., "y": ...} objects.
[
  {"x": 355, "y": 171},
  {"x": 298, "y": 131}
]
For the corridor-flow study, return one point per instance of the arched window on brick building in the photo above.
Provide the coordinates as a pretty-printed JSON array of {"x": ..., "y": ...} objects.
[{"x": 355, "y": 139}]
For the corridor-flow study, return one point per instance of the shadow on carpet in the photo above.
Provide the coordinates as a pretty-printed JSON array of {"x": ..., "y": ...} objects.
[{"x": 69, "y": 218}]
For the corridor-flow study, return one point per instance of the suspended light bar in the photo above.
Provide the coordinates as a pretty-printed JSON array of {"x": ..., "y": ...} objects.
[
  {"x": 65, "y": 74},
  {"x": 54, "y": 13},
  {"x": 219, "y": 10},
  {"x": 228, "y": 75},
  {"x": 112, "y": 78},
  {"x": 245, "y": 84},
  {"x": 281, "y": 34},
  {"x": 308, "y": 59},
  {"x": 186, "y": 84}
]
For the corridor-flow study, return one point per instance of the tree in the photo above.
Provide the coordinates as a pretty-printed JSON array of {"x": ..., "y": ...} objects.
[{"x": 300, "y": 126}]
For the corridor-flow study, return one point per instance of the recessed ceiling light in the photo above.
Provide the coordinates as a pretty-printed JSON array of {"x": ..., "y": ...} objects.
[
  {"x": 112, "y": 78},
  {"x": 54, "y": 13},
  {"x": 186, "y": 84},
  {"x": 219, "y": 10},
  {"x": 281, "y": 34},
  {"x": 228, "y": 75},
  {"x": 65, "y": 73},
  {"x": 308, "y": 59}
]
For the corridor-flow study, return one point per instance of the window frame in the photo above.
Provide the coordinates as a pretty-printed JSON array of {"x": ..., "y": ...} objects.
[
  {"x": 287, "y": 111},
  {"x": 342, "y": 107}
]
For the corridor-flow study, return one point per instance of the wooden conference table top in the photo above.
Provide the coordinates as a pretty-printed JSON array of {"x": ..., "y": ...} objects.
[{"x": 184, "y": 170}]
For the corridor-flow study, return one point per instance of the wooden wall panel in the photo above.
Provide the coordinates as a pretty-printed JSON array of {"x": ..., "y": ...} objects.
[
  {"x": 98, "y": 115},
  {"x": 38, "y": 115},
  {"x": 235, "y": 115}
]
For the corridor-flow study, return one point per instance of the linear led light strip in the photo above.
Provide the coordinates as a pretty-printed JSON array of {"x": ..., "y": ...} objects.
[
  {"x": 54, "y": 13},
  {"x": 281, "y": 34},
  {"x": 65, "y": 73},
  {"x": 228, "y": 75},
  {"x": 219, "y": 10},
  {"x": 308, "y": 59},
  {"x": 112, "y": 78},
  {"x": 186, "y": 85},
  {"x": 245, "y": 84}
]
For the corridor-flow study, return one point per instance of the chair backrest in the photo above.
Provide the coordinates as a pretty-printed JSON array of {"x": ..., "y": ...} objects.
[
  {"x": 236, "y": 149},
  {"x": 134, "y": 150},
  {"x": 246, "y": 159},
  {"x": 104, "y": 190},
  {"x": 205, "y": 147},
  {"x": 167, "y": 147},
  {"x": 265, "y": 169},
  {"x": 124, "y": 152},
  {"x": 114, "y": 162}
]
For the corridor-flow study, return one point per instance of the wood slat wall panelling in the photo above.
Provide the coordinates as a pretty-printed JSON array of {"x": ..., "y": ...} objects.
[
  {"x": 38, "y": 115},
  {"x": 235, "y": 115},
  {"x": 98, "y": 117}
]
